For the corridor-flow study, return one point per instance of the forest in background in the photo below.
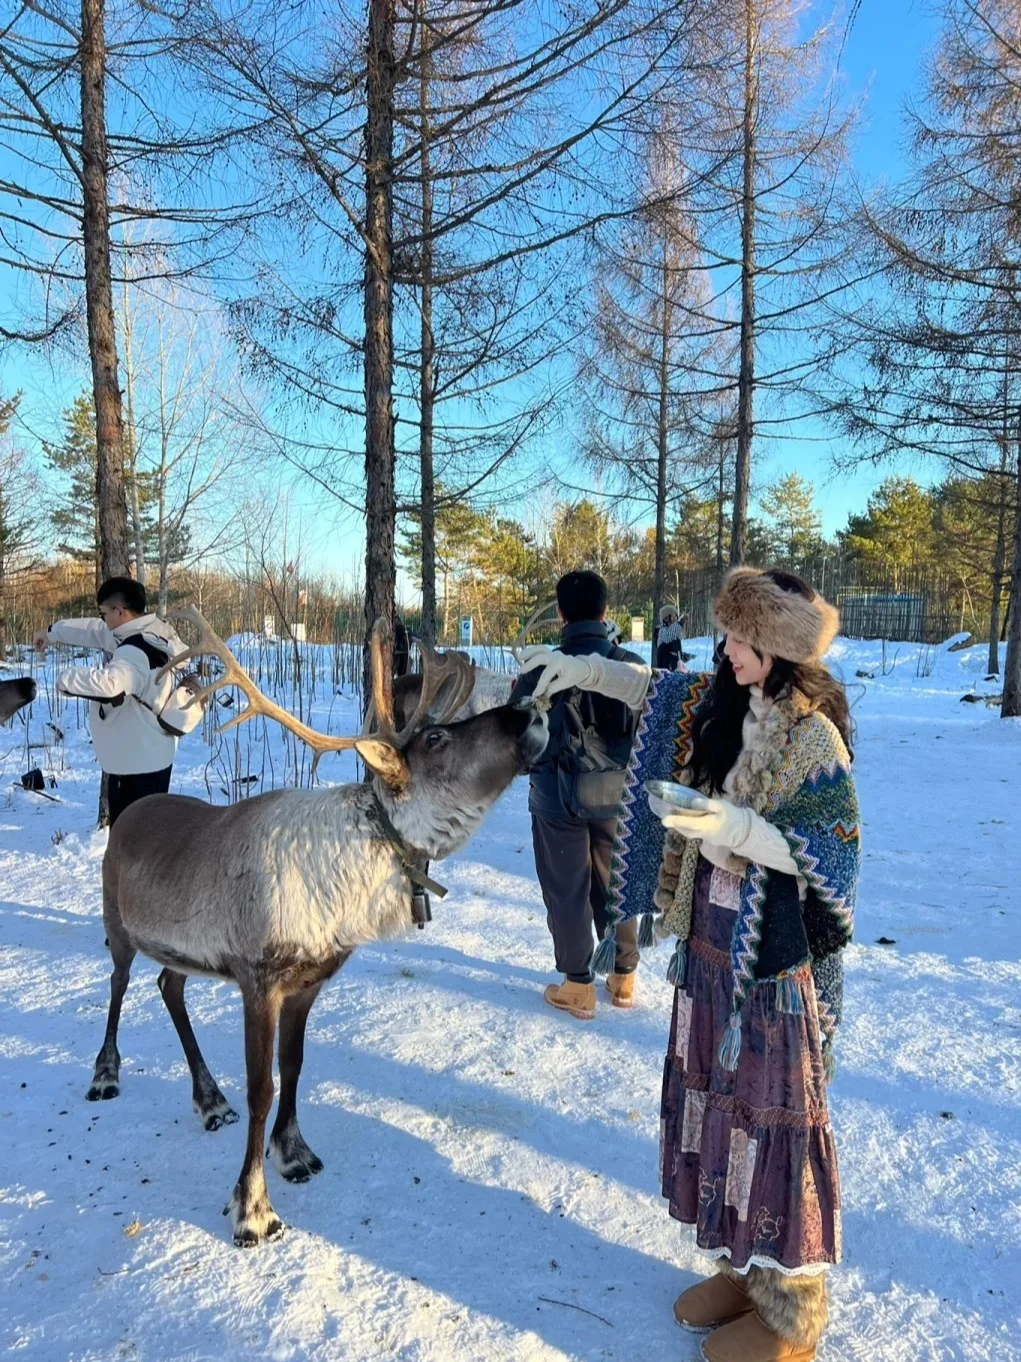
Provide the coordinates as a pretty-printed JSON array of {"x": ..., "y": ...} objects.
[{"x": 394, "y": 253}]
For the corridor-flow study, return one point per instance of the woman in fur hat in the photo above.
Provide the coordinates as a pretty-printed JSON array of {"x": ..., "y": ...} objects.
[{"x": 759, "y": 890}]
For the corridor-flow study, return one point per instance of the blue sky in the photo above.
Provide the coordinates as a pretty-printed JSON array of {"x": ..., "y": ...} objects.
[{"x": 883, "y": 55}]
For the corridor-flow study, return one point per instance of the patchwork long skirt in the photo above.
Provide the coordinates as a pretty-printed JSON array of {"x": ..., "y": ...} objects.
[{"x": 748, "y": 1157}]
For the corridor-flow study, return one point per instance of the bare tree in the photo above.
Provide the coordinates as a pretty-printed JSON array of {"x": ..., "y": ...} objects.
[
  {"x": 647, "y": 371},
  {"x": 941, "y": 336},
  {"x": 20, "y": 537},
  {"x": 481, "y": 142},
  {"x": 763, "y": 134}
]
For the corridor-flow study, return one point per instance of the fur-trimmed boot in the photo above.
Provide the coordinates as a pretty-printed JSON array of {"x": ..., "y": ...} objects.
[
  {"x": 577, "y": 999},
  {"x": 790, "y": 1316},
  {"x": 711, "y": 1303},
  {"x": 621, "y": 988}
]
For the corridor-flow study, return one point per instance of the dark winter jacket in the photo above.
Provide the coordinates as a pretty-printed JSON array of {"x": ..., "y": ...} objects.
[{"x": 557, "y": 789}]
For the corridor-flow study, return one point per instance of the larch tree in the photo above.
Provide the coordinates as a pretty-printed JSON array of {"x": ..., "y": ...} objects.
[
  {"x": 934, "y": 369},
  {"x": 764, "y": 138},
  {"x": 646, "y": 370}
]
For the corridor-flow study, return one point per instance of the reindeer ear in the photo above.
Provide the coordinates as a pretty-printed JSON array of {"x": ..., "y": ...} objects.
[{"x": 385, "y": 761}]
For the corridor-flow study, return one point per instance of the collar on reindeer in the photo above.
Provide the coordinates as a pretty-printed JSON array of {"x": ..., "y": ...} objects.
[{"x": 421, "y": 882}]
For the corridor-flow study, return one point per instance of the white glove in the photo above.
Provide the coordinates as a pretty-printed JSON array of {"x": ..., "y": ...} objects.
[
  {"x": 626, "y": 681},
  {"x": 559, "y": 670},
  {"x": 723, "y": 824}
]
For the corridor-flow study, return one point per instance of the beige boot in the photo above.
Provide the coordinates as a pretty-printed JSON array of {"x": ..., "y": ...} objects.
[
  {"x": 748, "y": 1340},
  {"x": 577, "y": 999},
  {"x": 711, "y": 1303},
  {"x": 621, "y": 988}
]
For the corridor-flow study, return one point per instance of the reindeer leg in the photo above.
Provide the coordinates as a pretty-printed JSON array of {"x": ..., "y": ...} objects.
[
  {"x": 211, "y": 1107},
  {"x": 106, "y": 1078},
  {"x": 292, "y": 1156},
  {"x": 253, "y": 1216}
]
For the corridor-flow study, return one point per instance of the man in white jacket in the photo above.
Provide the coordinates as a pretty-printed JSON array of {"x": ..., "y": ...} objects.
[{"x": 136, "y": 753}]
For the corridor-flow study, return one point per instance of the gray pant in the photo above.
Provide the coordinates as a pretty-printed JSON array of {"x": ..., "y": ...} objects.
[{"x": 572, "y": 861}]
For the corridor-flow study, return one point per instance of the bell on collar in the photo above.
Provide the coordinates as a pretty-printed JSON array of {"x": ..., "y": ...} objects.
[{"x": 421, "y": 909}]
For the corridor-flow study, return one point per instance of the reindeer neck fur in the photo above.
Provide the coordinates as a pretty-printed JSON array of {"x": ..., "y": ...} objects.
[
  {"x": 332, "y": 859},
  {"x": 433, "y": 827}
]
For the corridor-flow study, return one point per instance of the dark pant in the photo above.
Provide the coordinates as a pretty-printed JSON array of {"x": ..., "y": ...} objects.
[
  {"x": 124, "y": 790},
  {"x": 572, "y": 860}
]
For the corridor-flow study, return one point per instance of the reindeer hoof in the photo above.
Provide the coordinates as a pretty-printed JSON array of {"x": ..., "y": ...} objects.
[
  {"x": 303, "y": 1172},
  {"x": 102, "y": 1092},
  {"x": 247, "y": 1238},
  {"x": 214, "y": 1120},
  {"x": 256, "y": 1224},
  {"x": 295, "y": 1161},
  {"x": 216, "y": 1113},
  {"x": 105, "y": 1083}
]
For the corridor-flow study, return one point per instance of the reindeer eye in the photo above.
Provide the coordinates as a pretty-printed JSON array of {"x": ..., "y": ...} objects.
[{"x": 434, "y": 738}]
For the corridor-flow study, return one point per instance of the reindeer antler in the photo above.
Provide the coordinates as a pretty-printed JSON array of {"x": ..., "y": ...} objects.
[
  {"x": 212, "y": 645},
  {"x": 439, "y": 671},
  {"x": 533, "y": 619}
]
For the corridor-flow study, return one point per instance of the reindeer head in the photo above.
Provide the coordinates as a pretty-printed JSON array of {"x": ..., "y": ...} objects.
[
  {"x": 435, "y": 778},
  {"x": 454, "y": 771},
  {"x": 14, "y": 695}
]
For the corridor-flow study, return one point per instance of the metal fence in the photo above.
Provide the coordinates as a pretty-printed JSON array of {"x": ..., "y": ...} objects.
[{"x": 918, "y": 605}]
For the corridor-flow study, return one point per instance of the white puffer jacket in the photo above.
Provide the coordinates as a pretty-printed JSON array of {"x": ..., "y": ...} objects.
[{"x": 125, "y": 733}]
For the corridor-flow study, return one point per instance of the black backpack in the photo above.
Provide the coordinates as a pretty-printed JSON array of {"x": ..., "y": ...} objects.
[{"x": 589, "y": 747}]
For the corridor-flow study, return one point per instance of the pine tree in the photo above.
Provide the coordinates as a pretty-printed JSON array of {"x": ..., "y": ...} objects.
[
  {"x": 896, "y": 530},
  {"x": 794, "y": 531},
  {"x": 75, "y": 518}
]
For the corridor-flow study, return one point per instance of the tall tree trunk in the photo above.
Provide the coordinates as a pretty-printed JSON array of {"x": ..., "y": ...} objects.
[
  {"x": 659, "y": 578},
  {"x": 721, "y": 505},
  {"x": 746, "y": 372},
  {"x": 162, "y": 529},
  {"x": 112, "y": 508},
  {"x": 380, "y": 500},
  {"x": 999, "y": 563},
  {"x": 427, "y": 384},
  {"x": 1012, "y": 672},
  {"x": 131, "y": 444}
]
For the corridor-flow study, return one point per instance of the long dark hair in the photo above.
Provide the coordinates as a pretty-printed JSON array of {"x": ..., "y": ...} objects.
[{"x": 717, "y": 736}]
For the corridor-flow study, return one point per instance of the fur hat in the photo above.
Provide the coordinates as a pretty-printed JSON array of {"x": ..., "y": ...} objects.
[
  {"x": 775, "y": 622},
  {"x": 667, "y": 613}
]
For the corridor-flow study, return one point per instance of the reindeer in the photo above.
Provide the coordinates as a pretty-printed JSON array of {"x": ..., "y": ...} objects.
[
  {"x": 276, "y": 892},
  {"x": 14, "y": 695}
]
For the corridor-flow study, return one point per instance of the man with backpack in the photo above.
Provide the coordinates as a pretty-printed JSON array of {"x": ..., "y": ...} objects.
[
  {"x": 134, "y": 747},
  {"x": 575, "y": 792}
]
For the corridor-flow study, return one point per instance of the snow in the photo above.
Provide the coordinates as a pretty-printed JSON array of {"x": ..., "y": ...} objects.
[{"x": 490, "y": 1189}]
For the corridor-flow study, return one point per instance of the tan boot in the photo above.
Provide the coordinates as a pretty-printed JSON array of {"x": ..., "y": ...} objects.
[
  {"x": 711, "y": 1303},
  {"x": 577, "y": 999},
  {"x": 621, "y": 988},
  {"x": 748, "y": 1340}
]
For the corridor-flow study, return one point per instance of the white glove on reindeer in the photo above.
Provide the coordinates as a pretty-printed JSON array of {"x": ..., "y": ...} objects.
[{"x": 627, "y": 681}]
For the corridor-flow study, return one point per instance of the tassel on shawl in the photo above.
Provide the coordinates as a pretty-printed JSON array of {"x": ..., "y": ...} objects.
[
  {"x": 646, "y": 932},
  {"x": 788, "y": 997},
  {"x": 730, "y": 1046},
  {"x": 606, "y": 954},
  {"x": 678, "y": 966}
]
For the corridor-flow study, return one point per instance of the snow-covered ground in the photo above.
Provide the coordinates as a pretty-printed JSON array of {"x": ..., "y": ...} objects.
[{"x": 490, "y": 1187}]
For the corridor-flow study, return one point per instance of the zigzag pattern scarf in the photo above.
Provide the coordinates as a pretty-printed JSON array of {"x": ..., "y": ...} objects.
[{"x": 798, "y": 778}]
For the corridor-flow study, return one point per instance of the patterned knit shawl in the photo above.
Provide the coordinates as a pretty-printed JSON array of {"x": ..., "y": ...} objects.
[{"x": 799, "y": 779}]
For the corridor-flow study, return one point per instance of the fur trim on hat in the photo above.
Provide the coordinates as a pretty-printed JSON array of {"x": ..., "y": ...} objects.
[{"x": 775, "y": 622}]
